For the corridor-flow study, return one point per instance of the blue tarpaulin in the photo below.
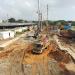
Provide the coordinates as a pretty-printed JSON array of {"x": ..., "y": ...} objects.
[{"x": 67, "y": 27}]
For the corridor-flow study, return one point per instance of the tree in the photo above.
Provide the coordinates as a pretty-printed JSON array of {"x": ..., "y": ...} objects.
[
  {"x": 63, "y": 22},
  {"x": 25, "y": 21},
  {"x": 11, "y": 20},
  {"x": 73, "y": 23},
  {"x": 20, "y": 21}
]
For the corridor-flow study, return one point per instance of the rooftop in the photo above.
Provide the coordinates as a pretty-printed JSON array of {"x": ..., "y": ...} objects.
[{"x": 16, "y": 24}]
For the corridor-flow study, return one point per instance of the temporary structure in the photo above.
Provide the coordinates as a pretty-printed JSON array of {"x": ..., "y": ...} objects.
[{"x": 6, "y": 35}]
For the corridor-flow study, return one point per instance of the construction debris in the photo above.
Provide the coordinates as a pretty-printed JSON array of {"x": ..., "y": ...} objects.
[{"x": 60, "y": 56}]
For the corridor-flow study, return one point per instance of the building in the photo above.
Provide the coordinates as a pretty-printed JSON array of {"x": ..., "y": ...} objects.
[
  {"x": 20, "y": 29},
  {"x": 1, "y": 21},
  {"x": 8, "y": 30},
  {"x": 6, "y": 35},
  {"x": 14, "y": 25}
]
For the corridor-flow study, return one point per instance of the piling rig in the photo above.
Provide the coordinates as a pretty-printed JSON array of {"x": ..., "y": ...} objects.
[{"x": 42, "y": 40}]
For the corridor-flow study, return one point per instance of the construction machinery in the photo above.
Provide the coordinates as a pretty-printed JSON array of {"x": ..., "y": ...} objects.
[
  {"x": 40, "y": 45},
  {"x": 65, "y": 31},
  {"x": 41, "y": 41},
  {"x": 37, "y": 47}
]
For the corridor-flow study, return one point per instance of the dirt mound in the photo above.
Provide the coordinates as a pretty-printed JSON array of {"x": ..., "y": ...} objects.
[
  {"x": 5, "y": 54},
  {"x": 60, "y": 56}
]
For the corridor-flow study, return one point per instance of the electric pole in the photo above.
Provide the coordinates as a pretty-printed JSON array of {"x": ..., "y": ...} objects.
[
  {"x": 39, "y": 18},
  {"x": 47, "y": 21},
  {"x": 47, "y": 11},
  {"x": 38, "y": 27},
  {"x": 41, "y": 27},
  {"x": 47, "y": 14}
]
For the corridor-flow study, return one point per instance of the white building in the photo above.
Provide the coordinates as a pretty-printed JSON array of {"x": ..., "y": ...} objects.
[
  {"x": 6, "y": 35},
  {"x": 1, "y": 21},
  {"x": 20, "y": 29}
]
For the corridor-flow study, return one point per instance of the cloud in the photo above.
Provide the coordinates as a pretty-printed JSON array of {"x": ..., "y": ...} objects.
[{"x": 26, "y": 9}]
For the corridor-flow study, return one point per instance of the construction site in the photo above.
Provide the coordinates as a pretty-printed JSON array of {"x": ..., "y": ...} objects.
[
  {"x": 42, "y": 49},
  {"x": 55, "y": 57}
]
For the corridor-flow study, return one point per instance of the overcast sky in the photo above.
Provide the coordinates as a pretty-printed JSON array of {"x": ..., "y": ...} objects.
[{"x": 27, "y": 9}]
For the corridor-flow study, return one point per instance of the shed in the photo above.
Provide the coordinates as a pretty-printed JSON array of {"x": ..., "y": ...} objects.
[
  {"x": 6, "y": 35},
  {"x": 20, "y": 29}
]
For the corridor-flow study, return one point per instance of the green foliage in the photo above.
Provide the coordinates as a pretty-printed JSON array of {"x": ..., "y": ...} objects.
[
  {"x": 11, "y": 20},
  {"x": 51, "y": 22},
  {"x": 20, "y": 21},
  {"x": 73, "y": 23},
  {"x": 63, "y": 22},
  {"x": 25, "y": 21}
]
